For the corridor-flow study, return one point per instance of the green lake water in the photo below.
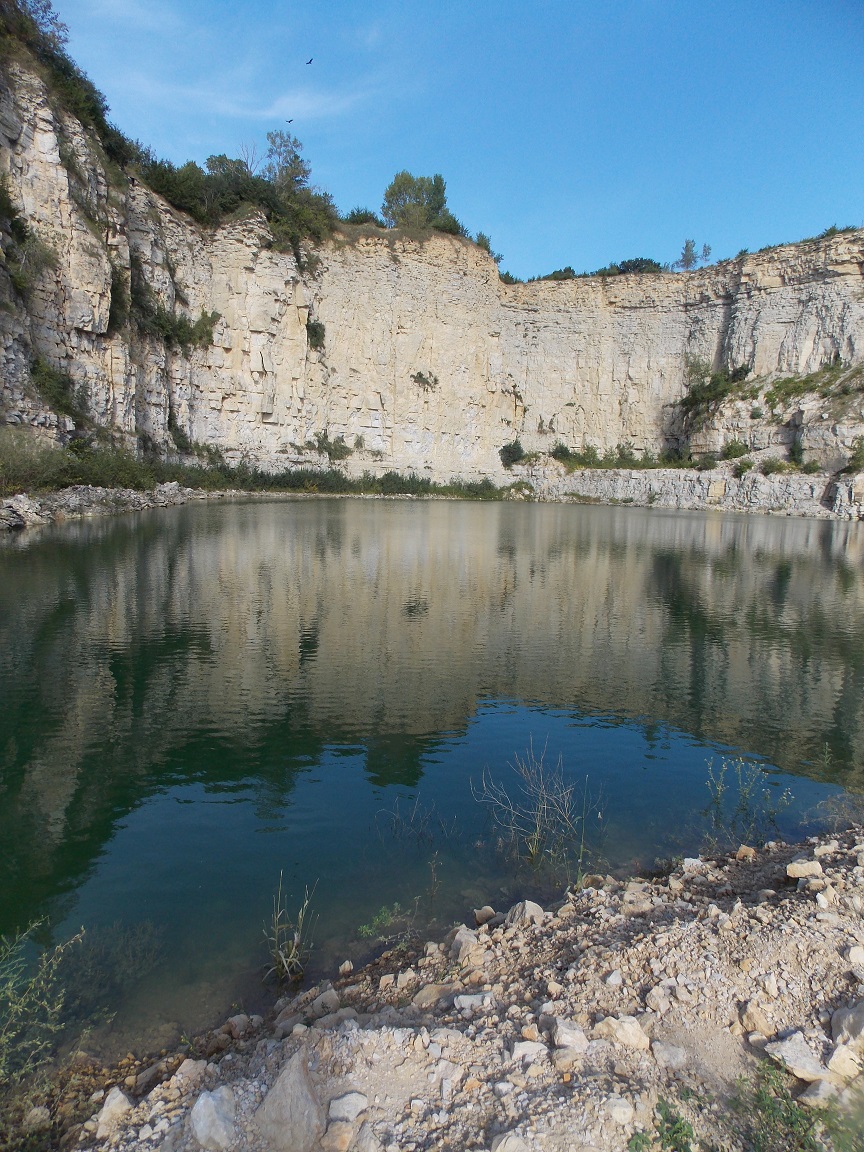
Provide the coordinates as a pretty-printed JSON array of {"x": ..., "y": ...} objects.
[{"x": 197, "y": 699}]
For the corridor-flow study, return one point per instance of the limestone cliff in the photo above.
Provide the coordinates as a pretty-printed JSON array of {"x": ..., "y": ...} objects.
[{"x": 429, "y": 362}]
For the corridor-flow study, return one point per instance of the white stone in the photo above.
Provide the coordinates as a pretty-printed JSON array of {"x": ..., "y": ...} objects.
[
  {"x": 843, "y": 1062},
  {"x": 471, "y": 1001},
  {"x": 525, "y": 912},
  {"x": 526, "y": 1051},
  {"x": 212, "y": 1119},
  {"x": 795, "y": 1054},
  {"x": 510, "y": 1142},
  {"x": 625, "y": 1030},
  {"x": 324, "y": 1004},
  {"x": 189, "y": 1075},
  {"x": 291, "y": 1118},
  {"x": 658, "y": 1001},
  {"x": 847, "y": 1026},
  {"x": 117, "y": 1105},
  {"x": 669, "y": 1055},
  {"x": 800, "y": 869},
  {"x": 566, "y": 1034},
  {"x": 348, "y": 1106},
  {"x": 620, "y": 1110},
  {"x": 818, "y": 1094},
  {"x": 366, "y": 1140}
]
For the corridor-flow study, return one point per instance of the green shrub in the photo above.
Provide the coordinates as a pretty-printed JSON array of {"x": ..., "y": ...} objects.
[
  {"x": 31, "y": 1004},
  {"x": 741, "y": 467},
  {"x": 707, "y": 390},
  {"x": 637, "y": 264},
  {"x": 485, "y": 242},
  {"x": 178, "y": 434},
  {"x": 364, "y": 216},
  {"x": 772, "y": 466},
  {"x": 770, "y": 1119},
  {"x": 427, "y": 382},
  {"x": 334, "y": 449},
  {"x": 756, "y": 413},
  {"x": 10, "y": 215},
  {"x": 706, "y": 463},
  {"x": 734, "y": 450},
  {"x": 28, "y": 464},
  {"x": 856, "y": 456},
  {"x": 419, "y": 202},
  {"x": 153, "y": 319},
  {"x": 511, "y": 453},
  {"x": 508, "y": 278},
  {"x": 315, "y": 334},
  {"x": 118, "y": 312},
  {"x": 59, "y": 390},
  {"x": 811, "y": 467}
]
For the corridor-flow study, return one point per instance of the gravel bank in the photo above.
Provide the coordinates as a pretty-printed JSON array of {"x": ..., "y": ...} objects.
[{"x": 543, "y": 1030}]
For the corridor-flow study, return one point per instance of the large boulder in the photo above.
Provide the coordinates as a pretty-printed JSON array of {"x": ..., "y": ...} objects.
[
  {"x": 212, "y": 1120},
  {"x": 524, "y": 913},
  {"x": 291, "y": 1118}
]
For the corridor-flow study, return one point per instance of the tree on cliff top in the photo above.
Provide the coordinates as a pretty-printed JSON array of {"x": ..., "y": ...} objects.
[
  {"x": 419, "y": 202},
  {"x": 689, "y": 257}
]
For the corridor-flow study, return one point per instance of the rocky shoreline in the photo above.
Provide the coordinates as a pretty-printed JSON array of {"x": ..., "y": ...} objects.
[
  {"x": 595, "y": 1026},
  {"x": 31, "y": 511},
  {"x": 822, "y": 497}
]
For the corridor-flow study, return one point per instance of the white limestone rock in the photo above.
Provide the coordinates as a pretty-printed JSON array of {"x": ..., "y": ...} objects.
[
  {"x": 291, "y": 1118},
  {"x": 212, "y": 1119},
  {"x": 624, "y": 1030},
  {"x": 117, "y": 1105},
  {"x": 524, "y": 913},
  {"x": 795, "y": 1054},
  {"x": 348, "y": 1106}
]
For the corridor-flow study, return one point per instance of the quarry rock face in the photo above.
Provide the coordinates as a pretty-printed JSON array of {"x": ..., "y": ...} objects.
[{"x": 428, "y": 361}]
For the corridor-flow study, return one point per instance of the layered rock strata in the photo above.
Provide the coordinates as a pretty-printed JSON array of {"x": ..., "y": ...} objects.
[{"x": 429, "y": 362}]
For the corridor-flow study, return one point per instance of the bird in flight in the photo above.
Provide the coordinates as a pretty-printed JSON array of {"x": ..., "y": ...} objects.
[
  {"x": 291, "y": 121},
  {"x": 311, "y": 58}
]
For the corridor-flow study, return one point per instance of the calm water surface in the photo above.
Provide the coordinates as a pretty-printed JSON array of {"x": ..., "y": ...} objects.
[{"x": 195, "y": 700}]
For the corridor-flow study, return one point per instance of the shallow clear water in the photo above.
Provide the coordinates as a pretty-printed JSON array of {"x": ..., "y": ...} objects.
[{"x": 197, "y": 699}]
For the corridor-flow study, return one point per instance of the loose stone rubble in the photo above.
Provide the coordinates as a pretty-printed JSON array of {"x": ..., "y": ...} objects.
[
  {"x": 24, "y": 511},
  {"x": 542, "y": 1030}
]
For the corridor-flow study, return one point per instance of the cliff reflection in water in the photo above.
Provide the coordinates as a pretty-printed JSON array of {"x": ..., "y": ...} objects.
[{"x": 230, "y": 644}]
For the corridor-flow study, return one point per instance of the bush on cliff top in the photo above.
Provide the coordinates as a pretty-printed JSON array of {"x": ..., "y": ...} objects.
[{"x": 280, "y": 190}]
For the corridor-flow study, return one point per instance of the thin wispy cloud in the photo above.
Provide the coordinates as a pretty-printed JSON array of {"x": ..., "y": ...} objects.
[
  {"x": 307, "y": 103},
  {"x": 311, "y": 104},
  {"x": 149, "y": 16}
]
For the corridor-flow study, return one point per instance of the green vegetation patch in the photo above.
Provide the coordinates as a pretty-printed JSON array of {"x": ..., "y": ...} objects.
[
  {"x": 834, "y": 379},
  {"x": 59, "y": 391},
  {"x": 706, "y": 390},
  {"x": 623, "y": 455},
  {"x": 27, "y": 464},
  {"x": 153, "y": 319},
  {"x": 512, "y": 453}
]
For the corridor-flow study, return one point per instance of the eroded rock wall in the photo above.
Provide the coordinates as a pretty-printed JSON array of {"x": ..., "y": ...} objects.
[{"x": 429, "y": 363}]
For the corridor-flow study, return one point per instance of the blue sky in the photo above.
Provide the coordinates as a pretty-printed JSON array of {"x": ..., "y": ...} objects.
[{"x": 572, "y": 132}]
